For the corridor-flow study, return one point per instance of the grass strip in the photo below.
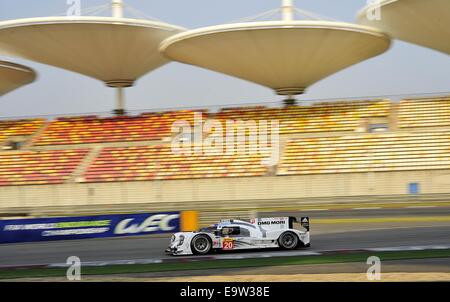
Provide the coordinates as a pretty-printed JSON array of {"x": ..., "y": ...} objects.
[{"x": 229, "y": 263}]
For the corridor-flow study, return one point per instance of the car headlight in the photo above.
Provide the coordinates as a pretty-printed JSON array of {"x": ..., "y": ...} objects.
[
  {"x": 181, "y": 240},
  {"x": 173, "y": 239}
]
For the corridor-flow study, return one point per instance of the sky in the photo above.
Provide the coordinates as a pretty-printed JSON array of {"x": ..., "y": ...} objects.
[{"x": 404, "y": 69}]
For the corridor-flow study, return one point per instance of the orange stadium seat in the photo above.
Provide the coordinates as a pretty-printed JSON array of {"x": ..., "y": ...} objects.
[
  {"x": 159, "y": 162},
  {"x": 424, "y": 113},
  {"x": 399, "y": 151},
  {"x": 38, "y": 167},
  {"x": 24, "y": 127},
  {"x": 320, "y": 117},
  {"x": 366, "y": 153},
  {"x": 93, "y": 129}
]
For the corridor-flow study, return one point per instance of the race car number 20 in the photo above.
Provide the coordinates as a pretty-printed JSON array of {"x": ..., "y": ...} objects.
[{"x": 228, "y": 244}]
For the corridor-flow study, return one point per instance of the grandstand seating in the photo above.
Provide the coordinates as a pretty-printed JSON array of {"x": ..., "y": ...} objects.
[
  {"x": 159, "y": 162},
  {"x": 23, "y": 127},
  {"x": 367, "y": 153},
  {"x": 38, "y": 167},
  {"x": 93, "y": 129},
  {"x": 391, "y": 151},
  {"x": 424, "y": 113},
  {"x": 320, "y": 117}
]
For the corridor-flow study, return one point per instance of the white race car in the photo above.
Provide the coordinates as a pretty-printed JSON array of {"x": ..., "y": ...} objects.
[{"x": 275, "y": 232}]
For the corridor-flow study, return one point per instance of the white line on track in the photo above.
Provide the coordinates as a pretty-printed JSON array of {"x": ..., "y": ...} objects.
[
  {"x": 368, "y": 208},
  {"x": 420, "y": 207},
  {"x": 410, "y": 248},
  {"x": 316, "y": 210}
]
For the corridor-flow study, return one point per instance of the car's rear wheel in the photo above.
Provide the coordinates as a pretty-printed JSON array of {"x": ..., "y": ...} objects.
[
  {"x": 201, "y": 244},
  {"x": 288, "y": 240}
]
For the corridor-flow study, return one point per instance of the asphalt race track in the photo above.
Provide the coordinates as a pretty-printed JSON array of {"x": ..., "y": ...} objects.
[{"x": 324, "y": 238}]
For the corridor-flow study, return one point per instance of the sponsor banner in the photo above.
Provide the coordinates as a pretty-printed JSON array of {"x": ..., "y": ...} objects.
[{"x": 85, "y": 227}]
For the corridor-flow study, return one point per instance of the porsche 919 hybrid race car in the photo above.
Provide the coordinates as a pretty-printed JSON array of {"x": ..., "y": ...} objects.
[{"x": 274, "y": 232}]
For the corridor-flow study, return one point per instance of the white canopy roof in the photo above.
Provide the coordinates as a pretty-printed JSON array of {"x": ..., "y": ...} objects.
[
  {"x": 423, "y": 22},
  {"x": 114, "y": 50},
  {"x": 13, "y": 76},
  {"x": 287, "y": 56}
]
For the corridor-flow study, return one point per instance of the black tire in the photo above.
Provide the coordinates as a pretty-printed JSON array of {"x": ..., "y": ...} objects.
[
  {"x": 201, "y": 244},
  {"x": 288, "y": 241}
]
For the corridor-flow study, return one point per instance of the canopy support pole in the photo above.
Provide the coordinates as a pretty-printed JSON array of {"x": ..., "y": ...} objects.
[
  {"x": 117, "y": 8},
  {"x": 288, "y": 10},
  {"x": 120, "y": 102},
  {"x": 290, "y": 101}
]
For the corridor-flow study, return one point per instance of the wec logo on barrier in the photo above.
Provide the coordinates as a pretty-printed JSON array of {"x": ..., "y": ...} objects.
[
  {"x": 87, "y": 227},
  {"x": 160, "y": 222}
]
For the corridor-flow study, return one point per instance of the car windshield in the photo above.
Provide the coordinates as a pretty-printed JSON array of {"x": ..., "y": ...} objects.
[{"x": 209, "y": 229}]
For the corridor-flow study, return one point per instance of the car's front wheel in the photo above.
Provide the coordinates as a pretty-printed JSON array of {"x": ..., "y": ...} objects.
[
  {"x": 288, "y": 241},
  {"x": 201, "y": 244}
]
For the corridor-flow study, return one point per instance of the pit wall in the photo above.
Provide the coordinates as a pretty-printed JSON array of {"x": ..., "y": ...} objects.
[{"x": 222, "y": 190}]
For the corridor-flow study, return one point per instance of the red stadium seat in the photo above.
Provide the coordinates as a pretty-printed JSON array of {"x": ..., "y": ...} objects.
[{"x": 38, "y": 167}]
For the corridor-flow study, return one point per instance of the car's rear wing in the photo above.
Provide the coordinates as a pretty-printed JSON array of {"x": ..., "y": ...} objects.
[{"x": 304, "y": 222}]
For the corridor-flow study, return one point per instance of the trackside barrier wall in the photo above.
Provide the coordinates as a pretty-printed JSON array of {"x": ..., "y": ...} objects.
[
  {"x": 100, "y": 226},
  {"x": 220, "y": 189}
]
